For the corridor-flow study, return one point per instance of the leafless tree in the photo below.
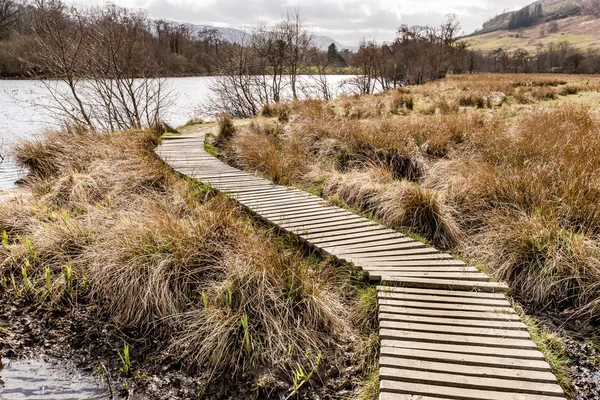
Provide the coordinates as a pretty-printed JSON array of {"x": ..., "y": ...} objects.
[
  {"x": 9, "y": 9},
  {"x": 320, "y": 84},
  {"x": 106, "y": 62},
  {"x": 368, "y": 61},
  {"x": 299, "y": 42},
  {"x": 263, "y": 69},
  {"x": 237, "y": 90}
]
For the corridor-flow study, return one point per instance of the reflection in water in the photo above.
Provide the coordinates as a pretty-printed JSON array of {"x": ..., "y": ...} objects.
[{"x": 37, "y": 379}]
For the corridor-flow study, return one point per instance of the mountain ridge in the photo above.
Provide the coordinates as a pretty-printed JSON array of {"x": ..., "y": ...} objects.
[{"x": 540, "y": 24}]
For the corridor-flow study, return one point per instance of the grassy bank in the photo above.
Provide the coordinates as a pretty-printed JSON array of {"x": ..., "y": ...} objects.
[
  {"x": 190, "y": 282},
  {"x": 500, "y": 169}
]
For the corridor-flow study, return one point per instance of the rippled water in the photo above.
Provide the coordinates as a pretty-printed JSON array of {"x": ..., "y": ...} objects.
[
  {"x": 39, "y": 379},
  {"x": 22, "y": 117}
]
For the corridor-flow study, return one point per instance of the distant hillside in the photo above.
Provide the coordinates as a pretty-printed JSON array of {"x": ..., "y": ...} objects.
[
  {"x": 541, "y": 23},
  {"x": 239, "y": 36}
]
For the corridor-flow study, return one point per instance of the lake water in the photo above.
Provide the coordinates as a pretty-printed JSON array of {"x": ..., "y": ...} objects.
[{"x": 22, "y": 117}]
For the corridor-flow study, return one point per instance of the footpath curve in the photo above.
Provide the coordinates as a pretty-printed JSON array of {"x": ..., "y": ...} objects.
[{"x": 446, "y": 330}]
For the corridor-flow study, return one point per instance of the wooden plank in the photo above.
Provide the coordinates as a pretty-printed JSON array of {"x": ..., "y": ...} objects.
[
  {"x": 443, "y": 299},
  {"x": 403, "y": 243},
  {"x": 499, "y": 371},
  {"x": 272, "y": 190},
  {"x": 399, "y": 396},
  {"x": 399, "y": 242},
  {"x": 290, "y": 210},
  {"x": 333, "y": 233},
  {"x": 446, "y": 284},
  {"x": 401, "y": 253},
  {"x": 341, "y": 243},
  {"x": 233, "y": 186},
  {"x": 335, "y": 226},
  {"x": 417, "y": 263},
  {"x": 425, "y": 255},
  {"x": 325, "y": 223},
  {"x": 475, "y": 331},
  {"x": 273, "y": 197},
  {"x": 278, "y": 202},
  {"x": 438, "y": 292},
  {"x": 463, "y": 340},
  {"x": 438, "y": 268},
  {"x": 465, "y": 315},
  {"x": 281, "y": 191},
  {"x": 236, "y": 180},
  {"x": 445, "y": 306},
  {"x": 354, "y": 236},
  {"x": 509, "y": 353},
  {"x": 384, "y": 315},
  {"x": 469, "y": 382},
  {"x": 399, "y": 273},
  {"x": 330, "y": 216},
  {"x": 302, "y": 213},
  {"x": 469, "y": 360},
  {"x": 281, "y": 205}
]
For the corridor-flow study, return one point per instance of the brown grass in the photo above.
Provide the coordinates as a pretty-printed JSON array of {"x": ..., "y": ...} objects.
[
  {"x": 119, "y": 232},
  {"x": 502, "y": 168}
]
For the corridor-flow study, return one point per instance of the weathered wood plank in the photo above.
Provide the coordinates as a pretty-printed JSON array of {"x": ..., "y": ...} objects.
[
  {"x": 416, "y": 327},
  {"x": 469, "y": 360},
  {"x": 464, "y": 383},
  {"x": 509, "y": 353},
  {"x": 439, "y": 338},
  {"x": 465, "y": 315},
  {"x": 499, "y": 371},
  {"x": 445, "y": 306},
  {"x": 446, "y": 284},
  {"x": 384, "y": 315},
  {"x": 439, "y": 292},
  {"x": 434, "y": 298}
]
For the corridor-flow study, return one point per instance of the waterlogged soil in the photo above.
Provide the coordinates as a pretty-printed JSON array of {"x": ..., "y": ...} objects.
[
  {"x": 46, "y": 378},
  {"x": 582, "y": 351},
  {"x": 67, "y": 352}
]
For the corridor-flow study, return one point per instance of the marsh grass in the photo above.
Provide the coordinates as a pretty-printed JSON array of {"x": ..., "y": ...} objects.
[
  {"x": 500, "y": 168},
  {"x": 110, "y": 227}
]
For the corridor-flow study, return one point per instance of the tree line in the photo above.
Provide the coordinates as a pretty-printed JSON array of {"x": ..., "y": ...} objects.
[
  {"x": 112, "y": 61},
  {"x": 559, "y": 57},
  {"x": 177, "y": 49}
]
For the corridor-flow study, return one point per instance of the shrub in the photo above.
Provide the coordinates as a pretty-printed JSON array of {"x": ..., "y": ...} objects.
[
  {"x": 474, "y": 100},
  {"x": 226, "y": 129},
  {"x": 401, "y": 101}
]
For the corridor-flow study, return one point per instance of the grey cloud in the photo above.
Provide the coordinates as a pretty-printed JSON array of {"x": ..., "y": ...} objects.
[{"x": 345, "y": 22}]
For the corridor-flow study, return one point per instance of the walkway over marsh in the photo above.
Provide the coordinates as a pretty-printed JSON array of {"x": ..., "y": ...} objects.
[{"x": 446, "y": 330}]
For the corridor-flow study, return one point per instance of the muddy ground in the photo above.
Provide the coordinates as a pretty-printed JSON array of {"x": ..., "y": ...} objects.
[{"x": 78, "y": 335}]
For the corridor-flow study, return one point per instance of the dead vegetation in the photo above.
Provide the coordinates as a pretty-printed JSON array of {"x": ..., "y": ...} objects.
[
  {"x": 501, "y": 168},
  {"x": 110, "y": 227}
]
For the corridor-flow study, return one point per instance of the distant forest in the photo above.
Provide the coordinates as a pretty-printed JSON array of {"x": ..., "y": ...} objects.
[
  {"x": 48, "y": 38},
  {"x": 27, "y": 27}
]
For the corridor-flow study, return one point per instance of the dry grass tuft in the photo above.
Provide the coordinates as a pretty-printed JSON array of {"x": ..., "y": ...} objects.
[
  {"x": 111, "y": 227},
  {"x": 226, "y": 129},
  {"x": 406, "y": 205}
]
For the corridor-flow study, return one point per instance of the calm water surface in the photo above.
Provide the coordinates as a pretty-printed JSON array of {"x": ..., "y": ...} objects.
[{"x": 22, "y": 117}]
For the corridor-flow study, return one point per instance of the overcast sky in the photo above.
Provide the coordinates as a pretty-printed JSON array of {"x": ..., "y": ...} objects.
[{"x": 346, "y": 21}]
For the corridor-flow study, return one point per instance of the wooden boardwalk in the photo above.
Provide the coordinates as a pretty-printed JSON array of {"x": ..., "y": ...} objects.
[{"x": 446, "y": 330}]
